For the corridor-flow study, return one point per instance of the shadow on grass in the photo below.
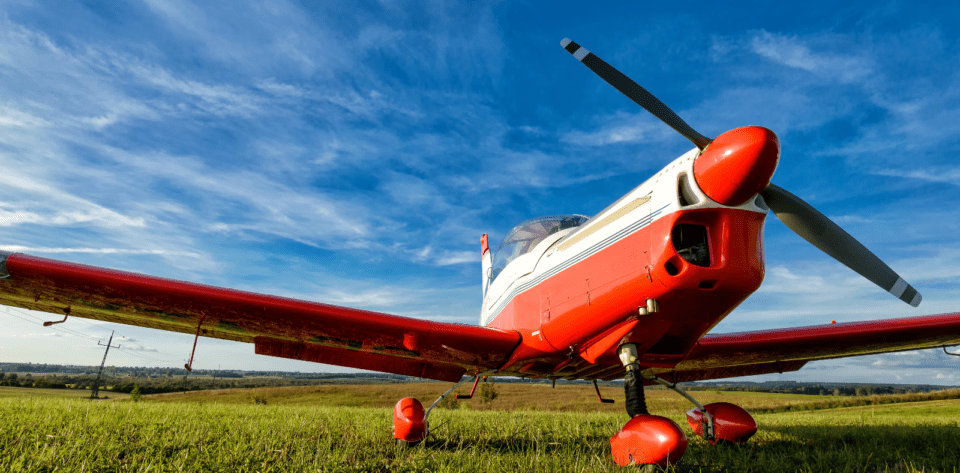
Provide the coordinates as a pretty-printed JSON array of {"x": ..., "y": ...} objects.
[
  {"x": 511, "y": 444},
  {"x": 883, "y": 446},
  {"x": 910, "y": 448}
]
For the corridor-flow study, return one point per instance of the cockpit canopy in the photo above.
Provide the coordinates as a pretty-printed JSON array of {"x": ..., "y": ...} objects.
[{"x": 527, "y": 235}]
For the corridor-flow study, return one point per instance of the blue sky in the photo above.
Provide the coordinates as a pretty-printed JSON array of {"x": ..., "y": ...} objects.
[{"x": 354, "y": 154}]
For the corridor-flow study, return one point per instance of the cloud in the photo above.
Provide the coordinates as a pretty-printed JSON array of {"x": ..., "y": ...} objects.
[
  {"x": 848, "y": 219},
  {"x": 17, "y": 118},
  {"x": 209, "y": 98},
  {"x": 256, "y": 45},
  {"x": 122, "y": 251},
  {"x": 353, "y": 154},
  {"x": 144, "y": 94},
  {"x": 459, "y": 257},
  {"x": 799, "y": 53},
  {"x": 621, "y": 128},
  {"x": 945, "y": 175}
]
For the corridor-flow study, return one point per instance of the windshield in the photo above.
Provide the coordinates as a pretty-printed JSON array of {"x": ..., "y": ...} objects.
[{"x": 527, "y": 235}]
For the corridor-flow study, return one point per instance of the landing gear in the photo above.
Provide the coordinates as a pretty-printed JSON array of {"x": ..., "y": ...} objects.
[
  {"x": 410, "y": 425},
  {"x": 632, "y": 382},
  {"x": 653, "y": 440},
  {"x": 731, "y": 424},
  {"x": 646, "y": 439},
  {"x": 633, "y": 390},
  {"x": 409, "y": 422},
  {"x": 718, "y": 422}
]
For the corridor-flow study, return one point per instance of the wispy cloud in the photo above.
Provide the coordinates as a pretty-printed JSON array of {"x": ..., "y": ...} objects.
[
  {"x": 945, "y": 175},
  {"x": 121, "y": 251},
  {"x": 819, "y": 56}
]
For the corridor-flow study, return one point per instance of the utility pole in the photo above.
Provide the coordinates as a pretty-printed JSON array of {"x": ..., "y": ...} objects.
[{"x": 96, "y": 384}]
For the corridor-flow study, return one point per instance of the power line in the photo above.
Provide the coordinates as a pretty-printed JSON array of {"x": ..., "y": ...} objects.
[
  {"x": 24, "y": 312},
  {"x": 60, "y": 329},
  {"x": 69, "y": 331}
]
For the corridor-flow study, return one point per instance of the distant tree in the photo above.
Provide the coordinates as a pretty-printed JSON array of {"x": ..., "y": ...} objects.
[
  {"x": 449, "y": 402},
  {"x": 488, "y": 393},
  {"x": 135, "y": 393}
]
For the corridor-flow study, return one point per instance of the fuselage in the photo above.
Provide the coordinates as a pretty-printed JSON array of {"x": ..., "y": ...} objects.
[{"x": 575, "y": 296}]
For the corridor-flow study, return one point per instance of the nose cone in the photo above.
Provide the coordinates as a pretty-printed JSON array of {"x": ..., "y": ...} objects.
[{"x": 737, "y": 165}]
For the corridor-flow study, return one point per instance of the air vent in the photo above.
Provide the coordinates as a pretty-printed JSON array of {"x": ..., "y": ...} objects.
[
  {"x": 759, "y": 202},
  {"x": 685, "y": 194}
]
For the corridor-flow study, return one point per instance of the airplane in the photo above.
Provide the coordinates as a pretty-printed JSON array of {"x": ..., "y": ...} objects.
[{"x": 630, "y": 293}]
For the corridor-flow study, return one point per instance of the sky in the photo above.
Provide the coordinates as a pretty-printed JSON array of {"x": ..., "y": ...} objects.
[{"x": 353, "y": 152}]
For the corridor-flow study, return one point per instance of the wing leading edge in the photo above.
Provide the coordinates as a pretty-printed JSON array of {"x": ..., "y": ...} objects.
[
  {"x": 277, "y": 326},
  {"x": 771, "y": 351}
]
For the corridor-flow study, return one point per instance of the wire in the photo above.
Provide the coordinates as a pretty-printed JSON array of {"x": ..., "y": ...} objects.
[
  {"x": 80, "y": 334},
  {"x": 54, "y": 327}
]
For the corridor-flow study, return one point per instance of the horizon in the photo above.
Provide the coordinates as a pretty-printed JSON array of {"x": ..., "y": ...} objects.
[
  {"x": 354, "y": 155},
  {"x": 496, "y": 379}
]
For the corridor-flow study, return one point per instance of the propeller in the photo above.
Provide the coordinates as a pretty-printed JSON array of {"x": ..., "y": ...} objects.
[
  {"x": 738, "y": 165},
  {"x": 821, "y": 232},
  {"x": 634, "y": 92}
]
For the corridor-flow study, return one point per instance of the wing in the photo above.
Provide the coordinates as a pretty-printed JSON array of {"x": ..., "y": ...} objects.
[
  {"x": 276, "y": 326},
  {"x": 771, "y": 351}
]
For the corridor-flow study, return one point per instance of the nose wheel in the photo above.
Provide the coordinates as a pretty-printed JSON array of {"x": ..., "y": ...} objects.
[{"x": 645, "y": 439}]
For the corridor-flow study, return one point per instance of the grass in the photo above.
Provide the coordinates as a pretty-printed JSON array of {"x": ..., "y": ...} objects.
[{"x": 290, "y": 433}]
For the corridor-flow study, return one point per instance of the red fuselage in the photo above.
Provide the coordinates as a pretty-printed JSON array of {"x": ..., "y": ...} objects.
[{"x": 573, "y": 317}]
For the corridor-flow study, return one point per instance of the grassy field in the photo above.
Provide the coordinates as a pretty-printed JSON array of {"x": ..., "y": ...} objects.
[{"x": 297, "y": 430}]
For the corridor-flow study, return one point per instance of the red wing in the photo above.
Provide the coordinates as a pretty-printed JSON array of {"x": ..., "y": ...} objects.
[
  {"x": 772, "y": 351},
  {"x": 277, "y": 326}
]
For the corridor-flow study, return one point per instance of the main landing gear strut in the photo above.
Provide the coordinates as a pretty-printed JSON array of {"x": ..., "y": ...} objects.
[
  {"x": 650, "y": 439},
  {"x": 410, "y": 420}
]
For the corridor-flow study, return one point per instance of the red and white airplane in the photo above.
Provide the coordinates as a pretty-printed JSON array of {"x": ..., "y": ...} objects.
[{"x": 631, "y": 293}]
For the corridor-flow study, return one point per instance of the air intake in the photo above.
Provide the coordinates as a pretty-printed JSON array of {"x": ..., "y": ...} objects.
[{"x": 690, "y": 241}]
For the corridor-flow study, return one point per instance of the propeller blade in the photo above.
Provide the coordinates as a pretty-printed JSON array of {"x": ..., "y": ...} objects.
[
  {"x": 819, "y": 230},
  {"x": 634, "y": 92}
]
